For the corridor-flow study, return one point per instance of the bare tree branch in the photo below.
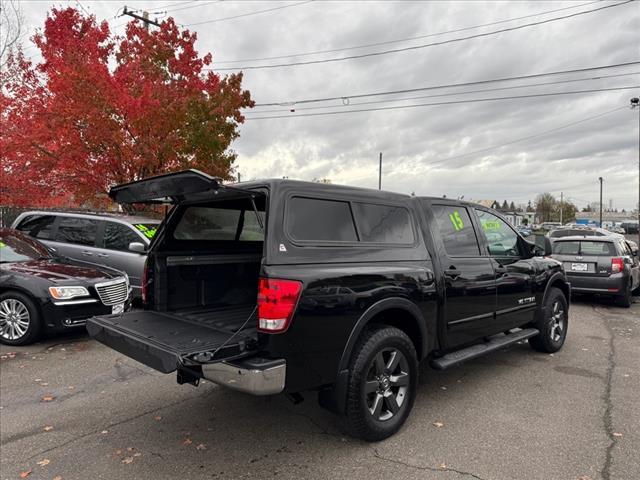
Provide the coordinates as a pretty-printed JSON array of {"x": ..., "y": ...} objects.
[{"x": 11, "y": 28}]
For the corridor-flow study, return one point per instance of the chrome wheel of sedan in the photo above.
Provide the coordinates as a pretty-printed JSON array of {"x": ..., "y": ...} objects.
[{"x": 14, "y": 319}]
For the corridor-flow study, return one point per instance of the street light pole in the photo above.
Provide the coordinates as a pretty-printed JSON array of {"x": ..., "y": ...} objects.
[
  {"x": 600, "y": 178},
  {"x": 635, "y": 103}
]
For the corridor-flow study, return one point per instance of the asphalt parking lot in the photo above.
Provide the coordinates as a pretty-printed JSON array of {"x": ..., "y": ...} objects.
[{"x": 73, "y": 409}]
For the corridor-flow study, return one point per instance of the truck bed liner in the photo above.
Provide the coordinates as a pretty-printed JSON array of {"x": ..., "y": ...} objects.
[{"x": 161, "y": 339}]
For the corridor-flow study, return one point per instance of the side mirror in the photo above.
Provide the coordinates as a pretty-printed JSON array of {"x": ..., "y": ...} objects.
[
  {"x": 137, "y": 247},
  {"x": 542, "y": 247}
]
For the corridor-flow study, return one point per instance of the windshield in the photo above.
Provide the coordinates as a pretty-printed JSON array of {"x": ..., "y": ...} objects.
[{"x": 15, "y": 249}]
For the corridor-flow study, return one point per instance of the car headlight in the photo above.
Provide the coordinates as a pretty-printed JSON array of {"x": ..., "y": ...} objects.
[{"x": 65, "y": 293}]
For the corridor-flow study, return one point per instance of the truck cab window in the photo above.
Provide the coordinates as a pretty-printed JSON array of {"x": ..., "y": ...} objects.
[
  {"x": 502, "y": 240},
  {"x": 456, "y": 230}
]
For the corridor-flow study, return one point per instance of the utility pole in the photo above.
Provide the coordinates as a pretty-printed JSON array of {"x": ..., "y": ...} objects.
[
  {"x": 635, "y": 103},
  {"x": 144, "y": 17},
  {"x": 561, "y": 205},
  {"x": 380, "y": 173},
  {"x": 239, "y": 177},
  {"x": 600, "y": 178}
]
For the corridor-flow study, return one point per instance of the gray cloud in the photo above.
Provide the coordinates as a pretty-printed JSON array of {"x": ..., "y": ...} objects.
[{"x": 345, "y": 147}]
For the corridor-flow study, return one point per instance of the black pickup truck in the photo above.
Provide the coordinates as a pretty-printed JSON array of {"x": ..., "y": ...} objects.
[{"x": 282, "y": 286}]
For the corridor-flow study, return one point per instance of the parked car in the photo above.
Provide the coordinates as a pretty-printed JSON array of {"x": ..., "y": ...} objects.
[
  {"x": 235, "y": 272},
  {"x": 630, "y": 227},
  {"x": 112, "y": 240},
  {"x": 41, "y": 293},
  {"x": 582, "y": 231},
  {"x": 550, "y": 225},
  {"x": 524, "y": 230},
  {"x": 598, "y": 264}
]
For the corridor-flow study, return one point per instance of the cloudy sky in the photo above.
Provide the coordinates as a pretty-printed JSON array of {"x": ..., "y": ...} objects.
[{"x": 508, "y": 149}]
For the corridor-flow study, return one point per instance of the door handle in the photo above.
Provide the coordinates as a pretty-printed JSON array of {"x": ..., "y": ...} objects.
[
  {"x": 452, "y": 272},
  {"x": 88, "y": 254},
  {"x": 103, "y": 255}
]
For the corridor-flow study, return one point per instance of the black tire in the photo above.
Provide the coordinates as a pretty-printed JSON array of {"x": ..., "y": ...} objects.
[
  {"x": 9, "y": 334},
  {"x": 553, "y": 323},
  {"x": 625, "y": 300},
  {"x": 388, "y": 350}
]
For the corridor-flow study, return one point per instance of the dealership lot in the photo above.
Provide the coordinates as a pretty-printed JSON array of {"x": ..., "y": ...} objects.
[{"x": 75, "y": 409}]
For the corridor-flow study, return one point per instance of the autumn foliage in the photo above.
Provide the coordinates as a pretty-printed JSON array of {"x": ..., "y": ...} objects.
[{"x": 101, "y": 109}]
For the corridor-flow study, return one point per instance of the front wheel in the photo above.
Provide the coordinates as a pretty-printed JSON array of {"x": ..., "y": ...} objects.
[
  {"x": 19, "y": 319},
  {"x": 553, "y": 324},
  {"x": 382, "y": 384}
]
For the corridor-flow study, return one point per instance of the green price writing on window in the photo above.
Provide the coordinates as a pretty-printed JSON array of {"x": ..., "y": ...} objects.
[
  {"x": 2, "y": 244},
  {"x": 491, "y": 225},
  {"x": 456, "y": 220},
  {"x": 146, "y": 231}
]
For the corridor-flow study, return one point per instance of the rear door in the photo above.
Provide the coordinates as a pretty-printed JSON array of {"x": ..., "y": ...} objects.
[
  {"x": 76, "y": 238},
  {"x": 469, "y": 278}
]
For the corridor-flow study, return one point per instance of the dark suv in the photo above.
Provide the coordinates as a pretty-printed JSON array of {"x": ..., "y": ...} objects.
[
  {"x": 600, "y": 265},
  {"x": 285, "y": 286}
]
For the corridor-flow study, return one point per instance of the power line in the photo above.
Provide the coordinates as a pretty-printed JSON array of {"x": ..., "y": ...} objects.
[
  {"x": 450, "y": 85},
  {"x": 528, "y": 137},
  {"x": 346, "y": 105},
  {"x": 253, "y": 13},
  {"x": 417, "y": 47},
  {"x": 511, "y": 142},
  {"x": 400, "y": 40},
  {"x": 474, "y": 100},
  {"x": 198, "y": 4}
]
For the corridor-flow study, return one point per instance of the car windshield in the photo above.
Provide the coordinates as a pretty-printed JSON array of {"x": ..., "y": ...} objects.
[{"x": 15, "y": 249}]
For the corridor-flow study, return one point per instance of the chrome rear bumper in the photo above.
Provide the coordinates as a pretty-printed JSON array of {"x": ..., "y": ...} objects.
[{"x": 256, "y": 376}]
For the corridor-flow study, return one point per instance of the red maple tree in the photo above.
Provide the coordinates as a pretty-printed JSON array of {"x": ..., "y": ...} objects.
[{"x": 101, "y": 109}]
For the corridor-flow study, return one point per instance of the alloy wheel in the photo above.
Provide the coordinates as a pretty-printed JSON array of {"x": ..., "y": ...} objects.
[
  {"x": 14, "y": 319},
  {"x": 557, "y": 322},
  {"x": 387, "y": 383}
]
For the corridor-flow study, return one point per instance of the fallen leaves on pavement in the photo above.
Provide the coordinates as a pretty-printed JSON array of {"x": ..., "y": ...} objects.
[
  {"x": 201, "y": 446},
  {"x": 438, "y": 424},
  {"x": 26, "y": 473},
  {"x": 48, "y": 428},
  {"x": 44, "y": 462},
  {"x": 48, "y": 398},
  {"x": 617, "y": 434},
  {"x": 57, "y": 477},
  {"x": 187, "y": 441}
]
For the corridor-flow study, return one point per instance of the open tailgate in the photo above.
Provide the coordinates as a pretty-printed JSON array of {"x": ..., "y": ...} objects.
[{"x": 164, "y": 341}]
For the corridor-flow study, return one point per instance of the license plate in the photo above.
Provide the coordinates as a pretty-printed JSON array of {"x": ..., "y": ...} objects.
[
  {"x": 117, "y": 309},
  {"x": 579, "y": 267}
]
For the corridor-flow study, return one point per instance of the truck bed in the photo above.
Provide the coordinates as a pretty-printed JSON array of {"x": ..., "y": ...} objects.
[{"x": 162, "y": 340}]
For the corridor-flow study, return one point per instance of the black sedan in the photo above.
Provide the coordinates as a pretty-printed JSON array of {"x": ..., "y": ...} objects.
[{"x": 42, "y": 293}]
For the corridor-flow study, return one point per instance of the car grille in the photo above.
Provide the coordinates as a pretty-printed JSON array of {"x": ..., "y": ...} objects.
[{"x": 114, "y": 292}]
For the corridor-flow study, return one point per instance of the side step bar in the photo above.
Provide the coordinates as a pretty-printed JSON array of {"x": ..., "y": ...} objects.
[{"x": 474, "y": 351}]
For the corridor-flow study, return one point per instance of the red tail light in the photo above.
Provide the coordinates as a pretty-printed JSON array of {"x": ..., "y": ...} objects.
[
  {"x": 277, "y": 301},
  {"x": 617, "y": 265}
]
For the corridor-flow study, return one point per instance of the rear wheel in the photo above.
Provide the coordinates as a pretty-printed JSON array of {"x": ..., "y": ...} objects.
[
  {"x": 382, "y": 384},
  {"x": 553, "y": 326},
  {"x": 625, "y": 299},
  {"x": 19, "y": 319}
]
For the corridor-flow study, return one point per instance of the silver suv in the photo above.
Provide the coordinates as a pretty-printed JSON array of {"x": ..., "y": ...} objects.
[{"x": 117, "y": 241}]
